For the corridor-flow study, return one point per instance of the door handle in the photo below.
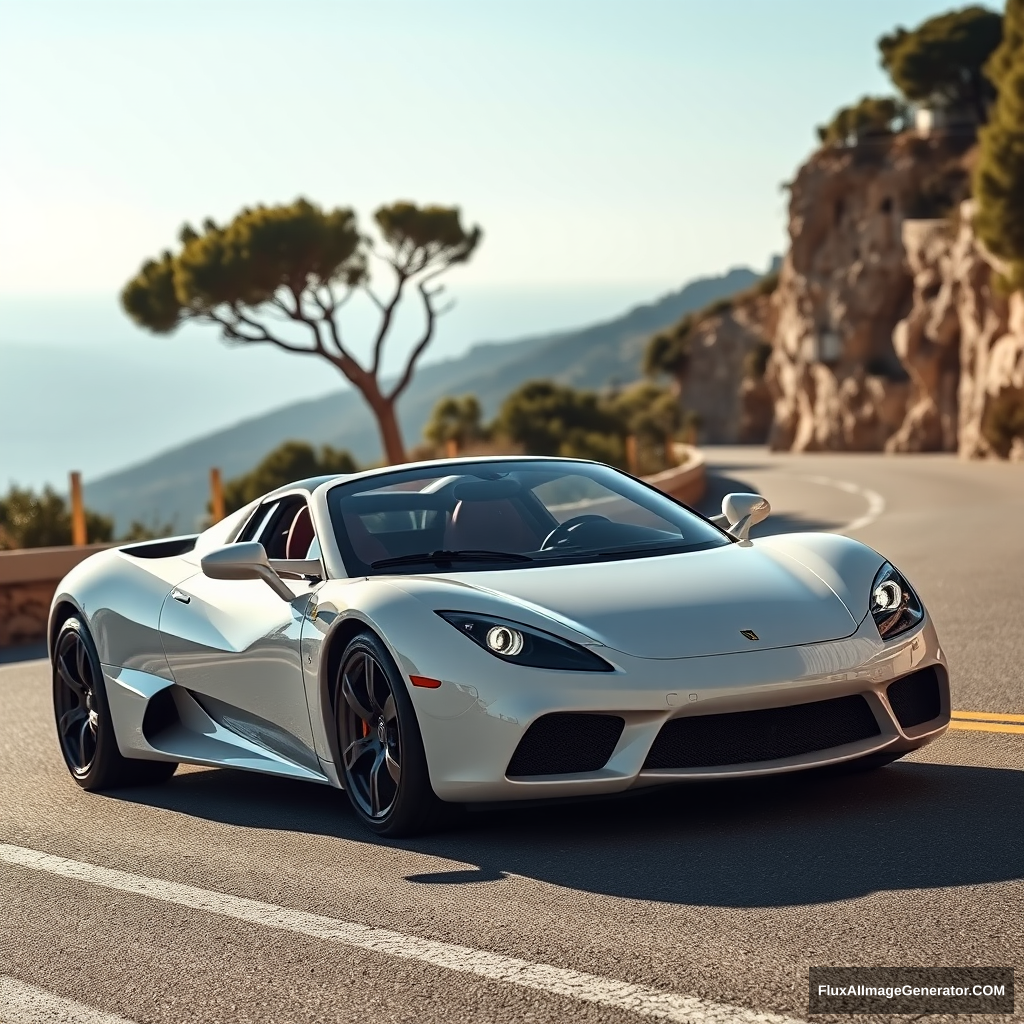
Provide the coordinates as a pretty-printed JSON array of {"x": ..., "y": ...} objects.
[{"x": 180, "y": 595}]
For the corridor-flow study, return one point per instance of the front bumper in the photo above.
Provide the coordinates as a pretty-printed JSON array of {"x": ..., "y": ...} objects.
[{"x": 473, "y": 723}]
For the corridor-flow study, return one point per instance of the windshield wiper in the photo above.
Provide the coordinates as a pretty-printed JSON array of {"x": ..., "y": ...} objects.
[
  {"x": 642, "y": 548},
  {"x": 445, "y": 557}
]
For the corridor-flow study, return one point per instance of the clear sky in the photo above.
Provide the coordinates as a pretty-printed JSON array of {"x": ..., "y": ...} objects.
[
  {"x": 610, "y": 149},
  {"x": 595, "y": 140}
]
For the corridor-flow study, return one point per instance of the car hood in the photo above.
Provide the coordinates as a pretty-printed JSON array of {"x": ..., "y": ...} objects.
[{"x": 676, "y": 606}]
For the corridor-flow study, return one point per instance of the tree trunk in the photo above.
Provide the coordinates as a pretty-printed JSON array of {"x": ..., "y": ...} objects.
[{"x": 390, "y": 432}]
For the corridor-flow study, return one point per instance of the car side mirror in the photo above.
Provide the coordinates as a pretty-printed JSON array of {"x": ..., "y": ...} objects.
[
  {"x": 245, "y": 561},
  {"x": 741, "y": 512}
]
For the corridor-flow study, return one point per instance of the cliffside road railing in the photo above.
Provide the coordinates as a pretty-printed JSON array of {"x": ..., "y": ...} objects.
[{"x": 29, "y": 577}]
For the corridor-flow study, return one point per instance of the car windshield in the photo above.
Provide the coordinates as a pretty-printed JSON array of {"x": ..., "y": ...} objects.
[{"x": 508, "y": 515}]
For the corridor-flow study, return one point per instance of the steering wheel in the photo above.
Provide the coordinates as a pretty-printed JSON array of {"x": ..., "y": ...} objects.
[{"x": 561, "y": 532}]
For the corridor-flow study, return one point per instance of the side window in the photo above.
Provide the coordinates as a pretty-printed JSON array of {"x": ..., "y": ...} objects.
[
  {"x": 284, "y": 527},
  {"x": 258, "y": 522}
]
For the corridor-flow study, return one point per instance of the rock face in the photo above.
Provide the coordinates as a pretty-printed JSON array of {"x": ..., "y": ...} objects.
[
  {"x": 724, "y": 385},
  {"x": 962, "y": 345},
  {"x": 927, "y": 341},
  {"x": 991, "y": 336},
  {"x": 891, "y": 333},
  {"x": 837, "y": 380}
]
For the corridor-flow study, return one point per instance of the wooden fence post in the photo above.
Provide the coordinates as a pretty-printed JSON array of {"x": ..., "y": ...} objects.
[
  {"x": 78, "y": 532},
  {"x": 632, "y": 461},
  {"x": 451, "y": 448},
  {"x": 216, "y": 496}
]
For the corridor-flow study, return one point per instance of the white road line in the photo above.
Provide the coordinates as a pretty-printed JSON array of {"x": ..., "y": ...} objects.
[
  {"x": 875, "y": 502},
  {"x": 25, "y": 1004},
  {"x": 591, "y": 988}
]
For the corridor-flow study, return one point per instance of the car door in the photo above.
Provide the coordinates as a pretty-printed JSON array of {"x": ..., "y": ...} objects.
[{"x": 234, "y": 644}]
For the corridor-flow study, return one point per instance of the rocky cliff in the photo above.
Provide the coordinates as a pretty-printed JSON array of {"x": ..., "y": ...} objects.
[
  {"x": 962, "y": 344},
  {"x": 725, "y": 382},
  {"x": 890, "y": 330}
]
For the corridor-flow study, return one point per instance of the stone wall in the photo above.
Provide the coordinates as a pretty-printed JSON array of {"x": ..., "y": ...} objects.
[{"x": 28, "y": 581}]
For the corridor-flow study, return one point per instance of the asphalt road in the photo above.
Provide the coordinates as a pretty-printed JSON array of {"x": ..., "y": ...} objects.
[{"x": 710, "y": 901}]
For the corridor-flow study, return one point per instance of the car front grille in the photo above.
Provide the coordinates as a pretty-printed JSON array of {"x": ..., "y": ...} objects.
[
  {"x": 745, "y": 737},
  {"x": 915, "y": 699},
  {"x": 566, "y": 744}
]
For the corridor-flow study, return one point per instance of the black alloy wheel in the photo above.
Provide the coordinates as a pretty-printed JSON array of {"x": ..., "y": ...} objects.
[
  {"x": 84, "y": 727},
  {"x": 74, "y": 702},
  {"x": 383, "y": 764}
]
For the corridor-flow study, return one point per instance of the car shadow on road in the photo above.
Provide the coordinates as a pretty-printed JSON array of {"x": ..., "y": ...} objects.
[
  {"x": 719, "y": 485},
  {"x": 760, "y": 843}
]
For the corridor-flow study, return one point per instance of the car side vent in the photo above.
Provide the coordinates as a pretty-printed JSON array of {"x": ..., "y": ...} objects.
[
  {"x": 915, "y": 698},
  {"x": 566, "y": 744},
  {"x": 161, "y": 715}
]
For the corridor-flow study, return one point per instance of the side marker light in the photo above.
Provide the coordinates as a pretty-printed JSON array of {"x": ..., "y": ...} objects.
[{"x": 425, "y": 681}]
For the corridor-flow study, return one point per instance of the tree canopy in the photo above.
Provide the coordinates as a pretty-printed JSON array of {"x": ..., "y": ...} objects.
[
  {"x": 870, "y": 116},
  {"x": 295, "y": 266},
  {"x": 456, "y": 419},
  {"x": 291, "y": 461},
  {"x": 999, "y": 177},
  {"x": 649, "y": 412},
  {"x": 942, "y": 60},
  {"x": 668, "y": 352},
  {"x": 30, "y": 520},
  {"x": 546, "y": 418},
  {"x": 551, "y": 419}
]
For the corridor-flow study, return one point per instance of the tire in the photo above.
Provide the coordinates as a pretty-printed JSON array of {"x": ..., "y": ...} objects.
[
  {"x": 85, "y": 731},
  {"x": 383, "y": 764}
]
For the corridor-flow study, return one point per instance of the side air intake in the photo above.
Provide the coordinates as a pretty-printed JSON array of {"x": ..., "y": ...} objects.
[
  {"x": 566, "y": 744},
  {"x": 915, "y": 699}
]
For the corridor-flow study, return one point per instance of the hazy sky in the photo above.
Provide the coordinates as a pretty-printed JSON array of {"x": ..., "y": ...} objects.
[
  {"x": 611, "y": 149},
  {"x": 596, "y": 141}
]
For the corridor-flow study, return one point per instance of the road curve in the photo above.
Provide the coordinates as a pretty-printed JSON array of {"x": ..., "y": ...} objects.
[{"x": 224, "y": 897}]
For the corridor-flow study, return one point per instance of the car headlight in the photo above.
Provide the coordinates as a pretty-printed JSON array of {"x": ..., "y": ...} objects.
[
  {"x": 523, "y": 645},
  {"x": 894, "y": 605}
]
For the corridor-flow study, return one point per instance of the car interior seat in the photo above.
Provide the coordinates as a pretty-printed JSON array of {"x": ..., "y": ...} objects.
[
  {"x": 300, "y": 534},
  {"x": 367, "y": 547},
  {"x": 489, "y": 525}
]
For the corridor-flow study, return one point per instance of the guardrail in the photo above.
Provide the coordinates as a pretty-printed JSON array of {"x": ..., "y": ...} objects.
[{"x": 29, "y": 577}]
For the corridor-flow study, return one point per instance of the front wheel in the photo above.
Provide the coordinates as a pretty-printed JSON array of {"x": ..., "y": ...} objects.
[
  {"x": 84, "y": 726},
  {"x": 382, "y": 758}
]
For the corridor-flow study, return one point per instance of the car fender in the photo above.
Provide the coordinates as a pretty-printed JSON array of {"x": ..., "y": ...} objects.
[
  {"x": 120, "y": 601},
  {"x": 847, "y": 566}
]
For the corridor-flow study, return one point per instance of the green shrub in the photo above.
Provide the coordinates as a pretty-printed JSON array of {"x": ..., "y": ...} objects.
[
  {"x": 291, "y": 461},
  {"x": 30, "y": 520}
]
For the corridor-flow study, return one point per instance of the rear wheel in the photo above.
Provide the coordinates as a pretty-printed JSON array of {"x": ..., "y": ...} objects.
[
  {"x": 383, "y": 762},
  {"x": 84, "y": 725}
]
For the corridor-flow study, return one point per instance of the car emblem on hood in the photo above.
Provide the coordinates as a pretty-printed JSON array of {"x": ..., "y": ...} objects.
[{"x": 749, "y": 634}]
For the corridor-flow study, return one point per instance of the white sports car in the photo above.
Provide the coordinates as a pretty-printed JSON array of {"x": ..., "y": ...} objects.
[{"x": 475, "y": 630}]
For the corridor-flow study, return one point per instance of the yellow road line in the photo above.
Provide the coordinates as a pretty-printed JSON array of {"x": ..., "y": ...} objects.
[
  {"x": 987, "y": 716},
  {"x": 987, "y": 727}
]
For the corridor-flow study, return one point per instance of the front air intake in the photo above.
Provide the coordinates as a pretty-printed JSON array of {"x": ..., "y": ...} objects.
[
  {"x": 746, "y": 737},
  {"x": 566, "y": 744},
  {"x": 915, "y": 699}
]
